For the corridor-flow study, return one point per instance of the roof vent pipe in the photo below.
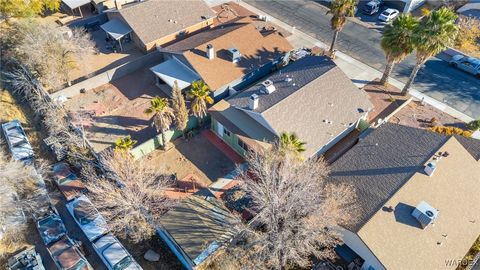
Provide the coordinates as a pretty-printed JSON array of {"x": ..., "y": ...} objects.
[
  {"x": 253, "y": 102},
  {"x": 210, "y": 52}
]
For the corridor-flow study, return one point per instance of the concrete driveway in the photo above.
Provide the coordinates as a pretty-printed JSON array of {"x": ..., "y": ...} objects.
[{"x": 436, "y": 79}]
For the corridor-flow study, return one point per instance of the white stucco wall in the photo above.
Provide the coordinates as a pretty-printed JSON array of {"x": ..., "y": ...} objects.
[{"x": 354, "y": 242}]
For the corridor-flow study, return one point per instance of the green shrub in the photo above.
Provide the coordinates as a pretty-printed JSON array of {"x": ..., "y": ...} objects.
[{"x": 474, "y": 125}]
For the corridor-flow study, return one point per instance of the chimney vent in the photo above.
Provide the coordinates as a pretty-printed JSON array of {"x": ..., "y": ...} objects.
[
  {"x": 253, "y": 102},
  {"x": 425, "y": 214},
  {"x": 210, "y": 52},
  {"x": 269, "y": 87},
  {"x": 430, "y": 168}
]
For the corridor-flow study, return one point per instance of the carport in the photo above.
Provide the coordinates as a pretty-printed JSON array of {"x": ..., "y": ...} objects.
[
  {"x": 173, "y": 70},
  {"x": 116, "y": 29},
  {"x": 74, "y": 4}
]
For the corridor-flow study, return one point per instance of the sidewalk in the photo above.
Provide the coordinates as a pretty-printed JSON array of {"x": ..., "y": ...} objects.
[{"x": 358, "y": 72}]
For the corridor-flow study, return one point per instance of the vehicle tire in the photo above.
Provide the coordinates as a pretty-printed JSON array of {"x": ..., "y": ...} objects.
[
  {"x": 455, "y": 65},
  {"x": 478, "y": 76}
]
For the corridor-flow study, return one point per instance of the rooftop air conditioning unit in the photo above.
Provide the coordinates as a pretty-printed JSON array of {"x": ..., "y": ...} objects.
[
  {"x": 269, "y": 87},
  {"x": 424, "y": 214},
  {"x": 430, "y": 168},
  {"x": 234, "y": 55}
]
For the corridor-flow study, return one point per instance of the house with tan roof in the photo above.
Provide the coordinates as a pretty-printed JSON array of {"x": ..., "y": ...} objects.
[
  {"x": 417, "y": 199},
  {"x": 159, "y": 22},
  {"x": 227, "y": 58},
  {"x": 310, "y": 97}
]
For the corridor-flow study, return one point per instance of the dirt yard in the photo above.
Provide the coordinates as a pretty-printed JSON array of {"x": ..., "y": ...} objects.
[
  {"x": 196, "y": 156},
  {"x": 385, "y": 100},
  {"x": 420, "y": 116},
  {"x": 116, "y": 110}
]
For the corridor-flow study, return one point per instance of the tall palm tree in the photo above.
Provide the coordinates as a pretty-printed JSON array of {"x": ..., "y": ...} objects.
[
  {"x": 435, "y": 33},
  {"x": 290, "y": 143},
  {"x": 397, "y": 42},
  {"x": 125, "y": 144},
  {"x": 340, "y": 9},
  {"x": 200, "y": 95},
  {"x": 162, "y": 116}
]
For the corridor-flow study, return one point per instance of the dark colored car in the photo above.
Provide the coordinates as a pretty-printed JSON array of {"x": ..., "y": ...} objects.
[
  {"x": 66, "y": 255},
  {"x": 67, "y": 182}
]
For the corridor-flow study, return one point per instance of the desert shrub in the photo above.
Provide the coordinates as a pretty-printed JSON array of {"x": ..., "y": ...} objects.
[{"x": 451, "y": 131}]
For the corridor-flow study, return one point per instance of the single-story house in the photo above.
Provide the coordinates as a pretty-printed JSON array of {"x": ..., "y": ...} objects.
[
  {"x": 227, "y": 58},
  {"x": 196, "y": 228},
  {"x": 156, "y": 22},
  {"x": 417, "y": 199},
  {"x": 310, "y": 97}
]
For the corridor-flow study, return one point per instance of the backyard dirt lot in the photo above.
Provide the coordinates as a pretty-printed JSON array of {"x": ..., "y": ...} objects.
[
  {"x": 196, "y": 156},
  {"x": 116, "y": 109},
  {"x": 105, "y": 59}
]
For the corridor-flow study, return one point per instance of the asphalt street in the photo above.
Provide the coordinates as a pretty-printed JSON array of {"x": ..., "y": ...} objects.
[{"x": 436, "y": 79}]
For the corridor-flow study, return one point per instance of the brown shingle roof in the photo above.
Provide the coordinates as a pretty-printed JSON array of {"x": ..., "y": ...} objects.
[
  {"x": 255, "y": 49},
  {"x": 155, "y": 19}
]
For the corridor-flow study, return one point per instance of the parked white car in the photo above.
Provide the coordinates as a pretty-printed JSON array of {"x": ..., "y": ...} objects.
[
  {"x": 113, "y": 254},
  {"x": 17, "y": 141},
  {"x": 388, "y": 14},
  {"x": 87, "y": 217},
  {"x": 468, "y": 64}
]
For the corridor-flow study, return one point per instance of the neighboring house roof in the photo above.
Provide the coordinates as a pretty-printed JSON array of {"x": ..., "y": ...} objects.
[
  {"x": 318, "y": 91},
  {"x": 203, "y": 37},
  {"x": 199, "y": 225},
  {"x": 382, "y": 162},
  {"x": 154, "y": 19},
  {"x": 255, "y": 49},
  {"x": 396, "y": 238},
  {"x": 72, "y": 4}
]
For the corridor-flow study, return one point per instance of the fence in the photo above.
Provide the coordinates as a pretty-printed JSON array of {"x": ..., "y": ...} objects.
[
  {"x": 153, "y": 143},
  {"x": 110, "y": 75}
]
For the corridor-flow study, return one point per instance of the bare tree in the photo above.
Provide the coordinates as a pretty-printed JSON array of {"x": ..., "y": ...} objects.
[
  {"x": 133, "y": 206},
  {"x": 21, "y": 194},
  {"x": 297, "y": 211},
  {"x": 51, "y": 52}
]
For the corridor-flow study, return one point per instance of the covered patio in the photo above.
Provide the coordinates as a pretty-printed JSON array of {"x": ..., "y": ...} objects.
[
  {"x": 74, "y": 5},
  {"x": 118, "y": 31},
  {"x": 171, "y": 71}
]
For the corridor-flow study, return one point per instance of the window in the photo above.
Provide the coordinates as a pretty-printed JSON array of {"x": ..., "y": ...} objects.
[
  {"x": 242, "y": 145},
  {"x": 226, "y": 132}
]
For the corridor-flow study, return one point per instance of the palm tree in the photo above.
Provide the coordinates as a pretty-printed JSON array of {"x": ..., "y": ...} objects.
[
  {"x": 290, "y": 143},
  {"x": 162, "y": 116},
  {"x": 125, "y": 144},
  {"x": 435, "y": 33},
  {"x": 340, "y": 9},
  {"x": 200, "y": 95},
  {"x": 397, "y": 42}
]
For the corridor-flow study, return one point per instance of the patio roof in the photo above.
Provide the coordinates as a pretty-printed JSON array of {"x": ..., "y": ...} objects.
[
  {"x": 72, "y": 4},
  {"x": 116, "y": 29},
  {"x": 173, "y": 70}
]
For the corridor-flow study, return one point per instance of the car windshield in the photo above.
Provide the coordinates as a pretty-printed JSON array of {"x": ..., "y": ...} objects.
[
  {"x": 84, "y": 212},
  {"x": 123, "y": 263}
]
